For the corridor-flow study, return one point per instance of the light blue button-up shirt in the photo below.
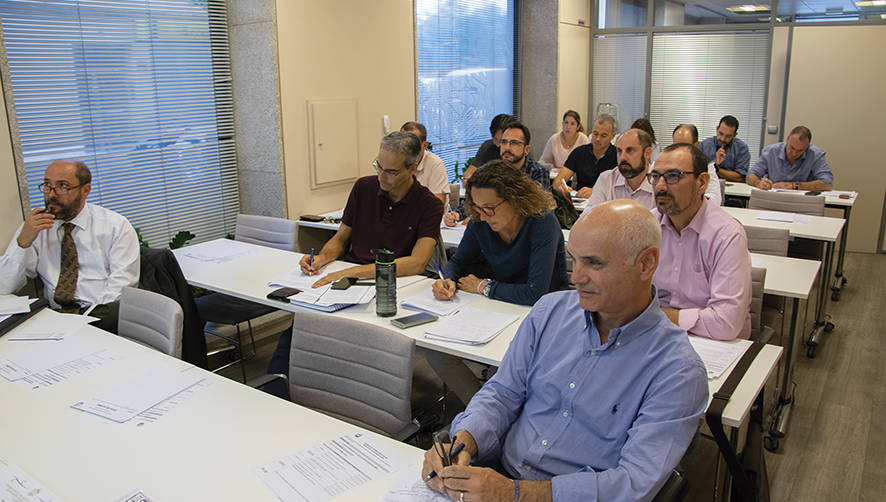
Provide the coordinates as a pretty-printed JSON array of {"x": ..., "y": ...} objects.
[
  {"x": 601, "y": 421},
  {"x": 812, "y": 165},
  {"x": 738, "y": 157}
]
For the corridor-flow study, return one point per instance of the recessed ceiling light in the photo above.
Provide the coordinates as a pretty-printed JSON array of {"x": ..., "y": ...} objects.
[
  {"x": 871, "y": 3},
  {"x": 752, "y": 8}
]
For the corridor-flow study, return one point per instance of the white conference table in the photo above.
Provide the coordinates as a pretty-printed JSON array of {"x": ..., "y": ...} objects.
[
  {"x": 832, "y": 200},
  {"x": 204, "y": 448},
  {"x": 247, "y": 277}
]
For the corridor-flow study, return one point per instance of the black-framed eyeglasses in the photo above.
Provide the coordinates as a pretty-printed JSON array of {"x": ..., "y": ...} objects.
[
  {"x": 61, "y": 189},
  {"x": 512, "y": 142},
  {"x": 445, "y": 454},
  {"x": 389, "y": 172},
  {"x": 489, "y": 210},
  {"x": 671, "y": 177}
]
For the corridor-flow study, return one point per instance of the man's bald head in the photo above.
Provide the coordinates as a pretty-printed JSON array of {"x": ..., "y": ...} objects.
[
  {"x": 629, "y": 224},
  {"x": 685, "y": 133}
]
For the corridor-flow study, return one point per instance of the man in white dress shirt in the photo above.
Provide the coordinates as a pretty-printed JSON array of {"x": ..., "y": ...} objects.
[
  {"x": 431, "y": 171},
  {"x": 84, "y": 254}
]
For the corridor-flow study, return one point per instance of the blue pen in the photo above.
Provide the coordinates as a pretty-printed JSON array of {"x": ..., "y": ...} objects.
[
  {"x": 311, "y": 263},
  {"x": 439, "y": 272}
]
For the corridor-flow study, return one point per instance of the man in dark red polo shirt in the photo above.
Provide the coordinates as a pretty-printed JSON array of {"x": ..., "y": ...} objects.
[{"x": 391, "y": 210}]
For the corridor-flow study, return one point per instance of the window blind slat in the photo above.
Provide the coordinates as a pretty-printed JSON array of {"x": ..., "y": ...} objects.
[{"x": 141, "y": 92}]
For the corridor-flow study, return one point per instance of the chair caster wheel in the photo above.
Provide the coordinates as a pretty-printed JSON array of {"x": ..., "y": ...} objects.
[
  {"x": 829, "y": 327},
  {"x": 770, "y": 443},
  {"x": 810, "y": 352}
]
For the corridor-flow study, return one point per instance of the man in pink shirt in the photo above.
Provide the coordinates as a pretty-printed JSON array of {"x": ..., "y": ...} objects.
[
  {"x": 628, "y": 179},
  {"x": 704, "y": 273}
]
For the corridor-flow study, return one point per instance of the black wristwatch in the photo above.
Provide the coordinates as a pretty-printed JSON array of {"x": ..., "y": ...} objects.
[{"x": 796, "y": 185}]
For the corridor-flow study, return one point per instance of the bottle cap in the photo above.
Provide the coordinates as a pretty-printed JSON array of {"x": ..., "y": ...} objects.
[{"x": 383, "y": 256}]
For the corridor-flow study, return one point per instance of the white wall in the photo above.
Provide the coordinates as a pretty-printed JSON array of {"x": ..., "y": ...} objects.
[
  {"x": 574, "y": 60},
  {"x": 347, "y": 49},
  {"x": 835, "y": 88},
  {"x": 10, "y": 200}
]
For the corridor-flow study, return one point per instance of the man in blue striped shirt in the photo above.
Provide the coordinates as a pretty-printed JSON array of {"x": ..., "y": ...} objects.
[{"x": 599, "y": 394}]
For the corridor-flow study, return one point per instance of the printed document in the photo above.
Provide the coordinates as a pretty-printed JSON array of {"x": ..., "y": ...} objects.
[
  {"x": 426, "y": 302},
  {"x": 409, "y": 487},
  {"x": 330, "y": 469},
  {"x": 717, "y": 355},
  {"x": 18, "y": 486},
  {"x": 469, "y": 325},
  {"x": 218, "y": 250}
]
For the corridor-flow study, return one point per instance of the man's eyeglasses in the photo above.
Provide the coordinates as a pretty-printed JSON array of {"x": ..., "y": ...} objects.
[
  {"x": 671, "y": 177},
  {"x": 512, "y": 142},
  {"x": 61, "y": 189},
  {"x": 489, "y": 210},
  {"x": 389, "y": 172}
]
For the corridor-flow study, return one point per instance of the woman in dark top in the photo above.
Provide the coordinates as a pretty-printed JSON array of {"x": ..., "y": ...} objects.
[{"x": 514, "y": 231}]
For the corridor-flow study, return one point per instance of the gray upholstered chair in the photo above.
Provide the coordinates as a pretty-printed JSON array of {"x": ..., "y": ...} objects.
[
  {"x": 354, "y": 371},
  {"x": 758, "y": 330},
  {"x": 799, "y": 203},
  {"x": 151, "y": 319},
  {"x": 722, "y": 191},
  {"x": 267, "y": 231},
  {"x": 787, "y": 202},
  {"x": 772, "y": 241},
  {"x": 224, "y": 309}
]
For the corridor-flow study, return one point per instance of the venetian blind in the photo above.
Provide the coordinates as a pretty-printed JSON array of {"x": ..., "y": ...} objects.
[
  {"x": 698, "y": 78},
  {"x": 141, "y": 92},
  {"x": 619, "y": 77}
]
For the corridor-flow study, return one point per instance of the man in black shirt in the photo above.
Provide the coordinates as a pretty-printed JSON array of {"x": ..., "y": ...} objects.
[
  {"x": 586, "y": 162},
  {"x": 489, "y": 150}
]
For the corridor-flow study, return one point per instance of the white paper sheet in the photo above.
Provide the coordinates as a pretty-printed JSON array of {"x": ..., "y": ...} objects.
[
  {"x": 49, "y": 325},
  {"x": 775, "y": 216},
  {"x": 409, "y": 487},
  {"x": 298, "y": 280},
  {"x": 122, "y": 402},
  {"x": 18, "y": 486},
  {"x": 45, "y": 365},
  {"x": 217, "y": 251},
  {"x": 469, "y": 325},
  {"x": 329, "y": 469},
  {"x": 716, "y": 355},
  {"x": 425, "y": 302},
  {"x": 12, "y": 304}
]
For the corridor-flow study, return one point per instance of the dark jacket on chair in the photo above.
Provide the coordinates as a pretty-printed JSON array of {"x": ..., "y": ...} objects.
[{"x": 160, "y": 273}]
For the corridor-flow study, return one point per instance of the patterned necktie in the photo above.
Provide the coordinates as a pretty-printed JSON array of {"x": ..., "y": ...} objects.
[{"x": 69, "y": 270}]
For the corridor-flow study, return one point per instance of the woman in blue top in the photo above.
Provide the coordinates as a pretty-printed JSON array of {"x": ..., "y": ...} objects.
[{"x": 512, "y": 249}]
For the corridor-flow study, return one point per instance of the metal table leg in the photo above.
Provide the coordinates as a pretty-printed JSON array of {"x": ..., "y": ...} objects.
[
  {"x": 839, "y": 280},
  {"x": 786, "y": 393},
  {"x": 823, "y": 323}
]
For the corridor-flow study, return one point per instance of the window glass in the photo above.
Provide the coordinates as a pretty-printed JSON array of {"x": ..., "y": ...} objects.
[{"x": 465, "y": 56}]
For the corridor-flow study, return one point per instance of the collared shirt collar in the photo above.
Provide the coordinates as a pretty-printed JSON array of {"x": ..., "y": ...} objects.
[
  {"x": 783, "y": 155},
  {"x": 645, "y": 185},
  {"x": 695, "y": 224},
  {"x": 640, "y": 325},
  {"x": 80, "y": 221},
  {"x": 406, "y": 198}
]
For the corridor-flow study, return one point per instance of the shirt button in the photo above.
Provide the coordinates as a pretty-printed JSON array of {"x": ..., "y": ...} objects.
[
  {"x": 617, "y": 344},
  {"x": 390, "y": 208},
  {"x": 544, "y": 442},
  {"x": 565, "y": 413},
  {"x": 571, "y": 385},
  {"x": 593, "y": 352},
  {"x": 676, "y": 269}
]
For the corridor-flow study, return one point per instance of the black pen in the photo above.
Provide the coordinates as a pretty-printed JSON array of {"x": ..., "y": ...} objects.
[{"x": 454, "y": 453}]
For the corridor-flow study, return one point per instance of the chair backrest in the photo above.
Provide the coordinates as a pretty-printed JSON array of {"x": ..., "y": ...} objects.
[
  {"x": 773, "y": 241},
  {"x": 439, "y": 257},
  {"x": 454, "y": 195},
  {"x": 354, "y": 371},
  {"x": 787, "y": 202},
  {"x": 267, "y": 231},
  {"x": 722, "y": 190},
  {"x": 152, "y": 319},
  {"x": 758, "y": 278}
]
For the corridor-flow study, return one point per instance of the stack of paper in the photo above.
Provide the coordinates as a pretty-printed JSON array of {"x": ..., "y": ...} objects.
[
  {"x": 716, "y": 355},
  {"x": 470, "y": 326},
  {"x": 11, "y": 304},
  {"x": 217, "y": 251},
  {"x": 425, "y": 302},
  {"x": 329, "y": 300}
]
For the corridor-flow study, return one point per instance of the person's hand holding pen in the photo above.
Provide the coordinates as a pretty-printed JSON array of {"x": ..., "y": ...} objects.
[
  {"x": 444, "y": 454},
  {"x": 309, "y": 265},
  {"x": 450, "y": 217},
  {"x": 443, "y": 289}
]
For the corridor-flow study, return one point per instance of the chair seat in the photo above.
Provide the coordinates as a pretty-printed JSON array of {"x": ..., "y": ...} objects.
[{"x": 225, "y": 309}]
